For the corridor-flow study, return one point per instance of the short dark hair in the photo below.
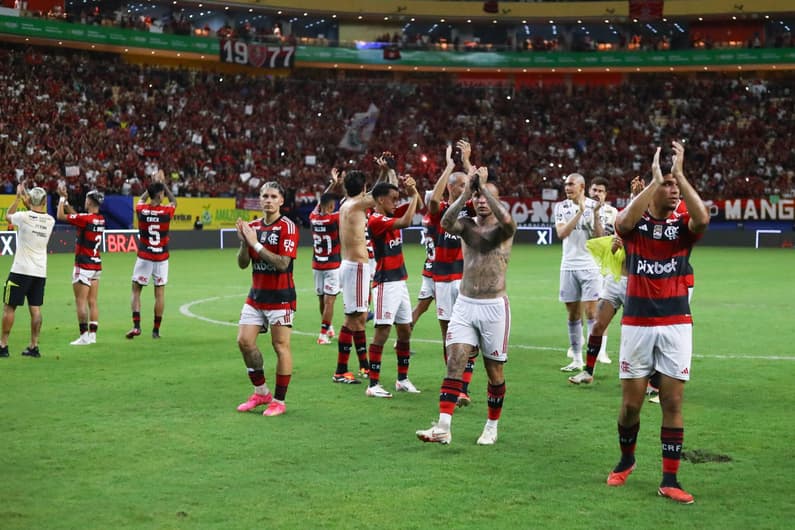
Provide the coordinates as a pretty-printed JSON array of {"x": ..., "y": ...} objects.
[
  {"x": 154, "y": 188},
  {"x": 327, "y": 198},
  {"x": 600, "y": 181},
  {"x": 382, "y": 189},
  {"x": 354, "y": 182}
]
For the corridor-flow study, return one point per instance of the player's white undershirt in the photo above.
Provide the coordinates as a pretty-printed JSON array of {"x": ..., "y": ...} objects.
[{"x": 575, "y": 255}]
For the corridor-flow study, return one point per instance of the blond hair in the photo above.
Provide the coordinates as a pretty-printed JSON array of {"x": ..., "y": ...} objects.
[{"x": 37, "y": 196}]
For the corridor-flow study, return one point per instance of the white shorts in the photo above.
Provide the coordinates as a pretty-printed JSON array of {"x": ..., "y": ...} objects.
[
  {"x": 446, "y": 294},
  {"x": 327, "y": 282},
  {"x": 355, "y": 278},
  {"x": 372, "y": 268},
  {"x": 85, "y": 276},
  {"x": 391, "y": 303},
  {"x": 665, "y": 349},
  {"x": 144, "y": 269},
  {"x": 251, "y": 316},
  {"x": 483, "y": 323},
  {"x": 581, "y": 285},
  {"x": 614, "y": 291},
  {"x": 426, "y": 288}
]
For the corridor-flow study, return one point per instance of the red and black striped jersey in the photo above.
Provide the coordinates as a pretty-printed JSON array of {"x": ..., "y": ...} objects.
[
  {"x": 690, "y": 278},
  {"x": 367, "y": 241},
  {"x": 270, "y": 288},
  {"x": 429, "y": 240},
  {"x": 90, "y": 227},
  {"x": 325, "y": 240},
  {"x": 388, "y": 248},
  {"x": 658, "y": 259},
  {"x": 153, "y": 226},
  {"x": 448, "y": 263}
]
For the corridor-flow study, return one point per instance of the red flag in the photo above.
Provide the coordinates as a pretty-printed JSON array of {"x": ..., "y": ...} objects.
[{"x": 646, "y": 9}]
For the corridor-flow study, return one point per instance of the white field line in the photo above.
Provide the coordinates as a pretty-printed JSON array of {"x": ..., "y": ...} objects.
[{"x": 185, "y": 309}]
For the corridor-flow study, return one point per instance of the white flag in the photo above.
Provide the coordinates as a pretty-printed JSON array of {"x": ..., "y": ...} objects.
[{"x": 360, "y": 130}]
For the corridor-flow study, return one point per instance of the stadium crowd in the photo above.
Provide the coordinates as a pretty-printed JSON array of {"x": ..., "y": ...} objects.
[{"x": 95, "y": 120}]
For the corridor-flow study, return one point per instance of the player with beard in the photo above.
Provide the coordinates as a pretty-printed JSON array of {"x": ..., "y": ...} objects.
[{"x": 481, "y": 319}]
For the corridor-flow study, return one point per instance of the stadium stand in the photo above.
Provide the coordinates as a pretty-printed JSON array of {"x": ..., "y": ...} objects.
[
  {"x": 96, "y": 119},
  {"x": 63, "y": 110}
]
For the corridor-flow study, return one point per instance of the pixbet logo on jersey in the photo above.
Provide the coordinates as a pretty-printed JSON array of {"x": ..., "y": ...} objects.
[{"x": 655, "y": 268}]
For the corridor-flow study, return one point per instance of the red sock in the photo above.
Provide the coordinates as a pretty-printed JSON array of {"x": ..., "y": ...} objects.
[
  {"x": 344, "y": 344},
  {"x": 594, "y": 345},
  {"x": 496, "y": 397},
  {"x": 671, "y": 439},
  {"x": 375, "y": 363},
  {"x": 282, "y": 382},
  {"x": 448, "y": 395},
  {"x": 257, "y": 377},
  {"x": 360, "y": 341},
  {"x": 403, "y": 350}
]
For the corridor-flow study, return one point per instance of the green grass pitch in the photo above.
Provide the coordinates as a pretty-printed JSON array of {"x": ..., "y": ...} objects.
[{"x": 144, "y": 434}]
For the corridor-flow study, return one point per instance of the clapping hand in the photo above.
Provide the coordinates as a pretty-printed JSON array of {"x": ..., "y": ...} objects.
[
  {"x": 656, "y": 172},
  {"x": 677, "y": 168}
]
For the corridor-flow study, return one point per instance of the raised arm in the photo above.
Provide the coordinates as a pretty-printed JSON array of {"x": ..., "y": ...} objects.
[
  {"x": 160, "y": 177},
  {"x": 629, "y": 216},
  {"x": 451, "y": 221},
  {"x": 14, "y": 205},
  {"x": 335, "y": 181},
  {"x": 466, "y": 152},
  {"x": 563, "y": 230},
  {"x": 64, "y": 208},
  {"x": 503, "y": 216},
  {"x": 420, "y": 202},
  {"x": 699, "y": 215},
  {"x": 408, "y": 215},
  {"x": 438, "y": 189},
  {"x": 243, "y": 258},
  {"x": 635, "y": 187},
  {"x": 387, "y": 165},
  {"x": 598, "y": 228},
  {"x": 25, "y": 197},
  {"x": 172, "y": 199}
]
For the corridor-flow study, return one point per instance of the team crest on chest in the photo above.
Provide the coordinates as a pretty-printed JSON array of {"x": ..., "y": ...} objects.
[{"x": 671, "y": 232}]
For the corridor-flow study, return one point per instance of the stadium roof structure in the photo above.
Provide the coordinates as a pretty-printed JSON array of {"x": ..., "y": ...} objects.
[
  {"x": 206, "y": 52},
  {"x": 508, "y": 11}
]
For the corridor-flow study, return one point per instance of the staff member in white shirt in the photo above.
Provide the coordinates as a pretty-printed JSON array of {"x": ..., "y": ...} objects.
[
  {"x": 577, "y": 220},
  {"x": 29, "y": 270}
]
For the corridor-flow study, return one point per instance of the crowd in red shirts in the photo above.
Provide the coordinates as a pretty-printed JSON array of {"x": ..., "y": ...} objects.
[{"x": 99, "y": 122}]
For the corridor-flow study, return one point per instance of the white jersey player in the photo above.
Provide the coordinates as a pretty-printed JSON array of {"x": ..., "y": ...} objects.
[{"x": 578, "y": 219}]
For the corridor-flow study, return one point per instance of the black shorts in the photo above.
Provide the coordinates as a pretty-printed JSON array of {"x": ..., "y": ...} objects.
[{"x": 21, "y": 286}]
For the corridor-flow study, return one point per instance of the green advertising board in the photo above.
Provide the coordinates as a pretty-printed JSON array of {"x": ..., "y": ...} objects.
[
  {"x": 56, "y": 30},
  {"x": 544, "y": 60}
]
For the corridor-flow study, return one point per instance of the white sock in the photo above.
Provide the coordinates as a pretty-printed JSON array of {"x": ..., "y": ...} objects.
[
  {"x": 603, "y": 349},
  {"x": 444, "y": 421},
  {"x": 492, "y": 423},
  {"x": 589, "y": 326},
  {"x": 575, "y": 338}
]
